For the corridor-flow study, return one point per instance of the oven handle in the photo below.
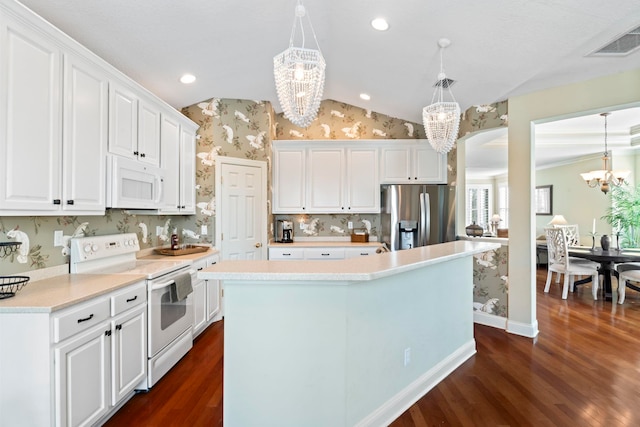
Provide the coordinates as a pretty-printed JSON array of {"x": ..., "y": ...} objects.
[{"x": 157, "y": 286}]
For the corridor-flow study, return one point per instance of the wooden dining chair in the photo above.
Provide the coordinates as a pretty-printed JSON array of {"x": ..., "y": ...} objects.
[
  {"x": 628, "y": 271},
  {"x": 560, "y": 262}
]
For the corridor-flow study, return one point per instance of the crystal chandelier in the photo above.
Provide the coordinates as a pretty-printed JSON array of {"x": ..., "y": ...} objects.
[
  {"x": 605, "y": 177},
  {"x": 299, "y": 76},
  {"x": 442, "y": 119}
]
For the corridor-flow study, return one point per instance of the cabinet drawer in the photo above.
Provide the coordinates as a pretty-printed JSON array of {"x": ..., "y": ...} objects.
[
  {"x": 286, "y": 253},
  {"x": 358, "y": 252},
  {"x": 200, "y": 264},
  {"x": 324, "y": 253},
  {"x": 77, "y": 319},
  {"x": 130, "y": 297}
]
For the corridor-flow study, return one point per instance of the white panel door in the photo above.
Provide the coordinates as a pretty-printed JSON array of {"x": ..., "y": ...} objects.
[
  {"x": 85, "y": 131},
  {"x": 242, "y": 210},
  {"x": 30, "y": 119},
  {"x": 396, "y": 165},
  {"x": 187, "y": 171},
  {"x": 429, "y": 166}
]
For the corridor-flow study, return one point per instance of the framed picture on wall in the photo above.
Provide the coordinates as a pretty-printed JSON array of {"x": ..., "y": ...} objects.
[{"x": 544, "y": 200}]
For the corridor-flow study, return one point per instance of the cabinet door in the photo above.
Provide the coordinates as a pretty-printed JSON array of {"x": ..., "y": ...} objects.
[
  {"x": 396, "y": 165},
  {"x": 187, "y": 171},
  {"x": 30, "y": 118},
  {"x": 123, "y": 121},
  {"x": 85, "y": 131},
  {"x": 148, "y": 133},
  {"x": 289, "y": 180},
  {"x": 214, "y": 295},
  {"x": 325, "y": 181},
  {"x": 199, "y": 306},
  {"x": 362, "y": 182},
  {"x": 170, "y": 136},
  {"x": 429, "y": 166},
  {"x": 82, "y": 378},
  {"x": 129, "y": 352}
]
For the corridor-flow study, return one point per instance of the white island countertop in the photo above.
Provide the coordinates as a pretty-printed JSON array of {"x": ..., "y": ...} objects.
[{"x": 355, "y": 269}]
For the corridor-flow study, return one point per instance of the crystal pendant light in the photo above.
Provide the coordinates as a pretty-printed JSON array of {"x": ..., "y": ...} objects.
[
  {"x": 605, "y": 178},
  {"x": 442, "y": 119},
  {"x": 299, "y": 76}
]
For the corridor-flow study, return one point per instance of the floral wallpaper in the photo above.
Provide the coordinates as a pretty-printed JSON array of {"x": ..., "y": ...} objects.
[
  {"x": 491, "y": 282},
  {"x": 490, "y": 269}
]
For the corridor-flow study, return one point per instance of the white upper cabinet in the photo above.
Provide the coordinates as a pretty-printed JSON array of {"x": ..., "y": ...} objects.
[
  {"x": 134, "y": 125},
  {"x": 85, "y": 130},
  {"x": 178, "y": 160},
  {"x": 289, "y": 178},
  {"x": 53, "y": 140},
  {"x": 30, "y": 119},
  {"x": 416, "y": 162},
  {"x": 325, "y": 180},
  {"x": 148, "y": 132},
  {"x": 325, "y": 177}
]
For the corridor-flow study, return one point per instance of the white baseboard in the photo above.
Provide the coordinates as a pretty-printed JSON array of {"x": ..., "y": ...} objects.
[
  {"x": 402, "y": 401},
  {"x": 487, "y": 319},
  {"x": 529, "y": 330}
]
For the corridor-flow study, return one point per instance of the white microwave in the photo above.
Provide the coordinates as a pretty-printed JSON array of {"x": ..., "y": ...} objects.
[{"x": 133, "y": 185}]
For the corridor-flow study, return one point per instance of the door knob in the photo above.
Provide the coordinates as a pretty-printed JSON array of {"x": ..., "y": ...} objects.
[{"x": 258, "y": 245}]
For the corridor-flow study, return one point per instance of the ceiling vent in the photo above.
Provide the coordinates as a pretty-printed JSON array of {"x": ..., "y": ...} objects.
[{"x": 621, "y": 46}]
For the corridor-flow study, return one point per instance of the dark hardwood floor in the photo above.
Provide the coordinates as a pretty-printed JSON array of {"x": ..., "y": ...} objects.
[{"x": 582, "y": 370}]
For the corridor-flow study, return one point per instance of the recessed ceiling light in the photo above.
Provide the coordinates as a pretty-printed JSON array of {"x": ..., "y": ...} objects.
[
  {"x": 188, "y": 78},
  {"x": 365, "y": 96},
  {"x": 380, "y": 24}
]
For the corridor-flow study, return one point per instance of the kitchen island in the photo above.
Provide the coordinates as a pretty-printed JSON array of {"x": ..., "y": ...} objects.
[{"x": 342, "y": 343}]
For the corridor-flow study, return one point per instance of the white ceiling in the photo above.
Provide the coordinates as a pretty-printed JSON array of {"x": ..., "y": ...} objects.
[
  {"x": 558, "y": 141},
  {"x": 499, "y": 49}
]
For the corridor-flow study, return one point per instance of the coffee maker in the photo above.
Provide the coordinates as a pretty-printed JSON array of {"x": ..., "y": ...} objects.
[{"x": 284, "y": 231}]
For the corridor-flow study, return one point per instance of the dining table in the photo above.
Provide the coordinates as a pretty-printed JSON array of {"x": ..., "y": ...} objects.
[{"x": 607, "y": 259}]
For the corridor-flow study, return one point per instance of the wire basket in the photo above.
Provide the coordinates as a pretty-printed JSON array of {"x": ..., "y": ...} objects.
[{"x": 9, "y": 285}]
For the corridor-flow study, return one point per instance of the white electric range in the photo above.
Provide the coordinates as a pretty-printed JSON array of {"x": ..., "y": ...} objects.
[{"x": 169, "y": 319}]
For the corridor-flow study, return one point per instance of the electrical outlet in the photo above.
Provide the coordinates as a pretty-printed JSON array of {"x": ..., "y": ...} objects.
[
  {"x": 158, "y": 230},
  {"x": 407, "y": 356},
  {"x": 57, "y": 238},
  {"x": 204, "y": 229},
  {"x": 303, "y": 226},
  {"x": 350, "y": 225}
]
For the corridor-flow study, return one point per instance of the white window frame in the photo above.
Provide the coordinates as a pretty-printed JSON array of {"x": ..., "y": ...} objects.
[{"x": 485, "y": 219}]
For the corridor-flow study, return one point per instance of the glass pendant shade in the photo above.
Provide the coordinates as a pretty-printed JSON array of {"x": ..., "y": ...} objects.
[
  {"x": 605, "y": 178},
  {"x": 299, "y": 76},
  {"x": 441, "y": 119}
]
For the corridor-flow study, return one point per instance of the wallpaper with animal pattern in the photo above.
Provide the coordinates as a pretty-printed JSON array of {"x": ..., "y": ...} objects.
[{"x": 244, "y": 129}]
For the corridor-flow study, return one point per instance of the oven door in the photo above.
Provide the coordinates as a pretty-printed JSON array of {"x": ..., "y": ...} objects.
[{"x": 168, "y": 318}]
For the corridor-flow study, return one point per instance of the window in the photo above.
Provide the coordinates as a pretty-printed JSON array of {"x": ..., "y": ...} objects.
[{"x": 479, "y": 205}]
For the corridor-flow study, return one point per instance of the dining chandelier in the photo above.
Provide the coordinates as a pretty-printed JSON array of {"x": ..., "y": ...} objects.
[
  {"x": 299, "y": 76},
  {"x": 605, "y": 178},
  {"x": 441, "y": 119}
]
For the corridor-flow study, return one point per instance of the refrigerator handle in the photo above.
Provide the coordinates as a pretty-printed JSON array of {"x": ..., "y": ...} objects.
[{"x": 425, "y": 219}]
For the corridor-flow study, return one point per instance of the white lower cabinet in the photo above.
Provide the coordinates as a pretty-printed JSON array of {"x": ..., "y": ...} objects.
[
  {"x": 320, "y": 252},
  {"x": 206, "y": 297},
  {"x": 74, "y": 366}
]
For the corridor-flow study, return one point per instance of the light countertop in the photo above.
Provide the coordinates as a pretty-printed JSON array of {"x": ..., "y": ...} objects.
[
  {"x": 354, "y": 269},
  {"x": 56, "y": 293}
]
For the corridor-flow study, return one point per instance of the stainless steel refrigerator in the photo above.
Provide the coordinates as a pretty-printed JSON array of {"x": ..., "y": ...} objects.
[{"x": 413, "y": 215}]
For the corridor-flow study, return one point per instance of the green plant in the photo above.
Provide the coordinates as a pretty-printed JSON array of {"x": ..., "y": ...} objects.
[{"x": 624, "y": 214}]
